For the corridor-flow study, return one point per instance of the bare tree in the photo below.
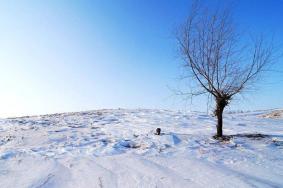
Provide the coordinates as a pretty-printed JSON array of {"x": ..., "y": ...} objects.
[{"x": 221, "y": 61}]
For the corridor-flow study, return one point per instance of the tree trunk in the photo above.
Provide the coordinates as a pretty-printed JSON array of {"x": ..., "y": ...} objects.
[
  {"x": 220, "y": 105},
  {"x": 219, "y": 124}
]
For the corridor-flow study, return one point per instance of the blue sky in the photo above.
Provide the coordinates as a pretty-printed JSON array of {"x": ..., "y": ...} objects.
[{"x": 59, "y": 56}]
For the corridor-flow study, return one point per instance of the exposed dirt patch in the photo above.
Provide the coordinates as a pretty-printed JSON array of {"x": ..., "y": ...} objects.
[
  {"x": 277, "y": 114},
  {"x": 253, "y": 136}
]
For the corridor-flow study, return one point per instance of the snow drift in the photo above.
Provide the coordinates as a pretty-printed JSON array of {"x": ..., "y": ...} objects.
[{"x": 118, "y": 148}]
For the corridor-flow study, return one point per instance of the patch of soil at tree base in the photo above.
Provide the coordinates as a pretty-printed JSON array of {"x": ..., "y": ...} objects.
[
  {"x": 253, "y": 136},
  {"x": 267, "y": 139},
  {"x": 223, "y": 138}
]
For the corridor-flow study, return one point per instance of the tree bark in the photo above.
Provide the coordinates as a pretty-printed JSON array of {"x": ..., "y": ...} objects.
[
  {"x": 219, "y": 124},
  {"x": 220, "y": 105}
]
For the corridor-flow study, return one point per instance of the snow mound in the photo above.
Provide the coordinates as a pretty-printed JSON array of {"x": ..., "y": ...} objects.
[{"x": 118, "y": 148}]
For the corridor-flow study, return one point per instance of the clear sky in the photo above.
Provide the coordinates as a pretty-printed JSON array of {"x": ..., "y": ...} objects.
[{"x": 59, "y": 56}]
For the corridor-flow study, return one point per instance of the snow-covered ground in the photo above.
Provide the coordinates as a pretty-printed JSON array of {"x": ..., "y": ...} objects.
[{"x": 118, "y": 148}]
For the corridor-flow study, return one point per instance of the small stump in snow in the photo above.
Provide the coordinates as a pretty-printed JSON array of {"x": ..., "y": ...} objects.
[{"x": 158, "y": 131}]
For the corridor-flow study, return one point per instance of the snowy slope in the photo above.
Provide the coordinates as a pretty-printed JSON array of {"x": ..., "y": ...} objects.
[{"x": 118, "y": 148}]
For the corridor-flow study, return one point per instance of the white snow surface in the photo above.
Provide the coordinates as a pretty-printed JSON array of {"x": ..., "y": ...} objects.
[{"x": 118, "y": 148}]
